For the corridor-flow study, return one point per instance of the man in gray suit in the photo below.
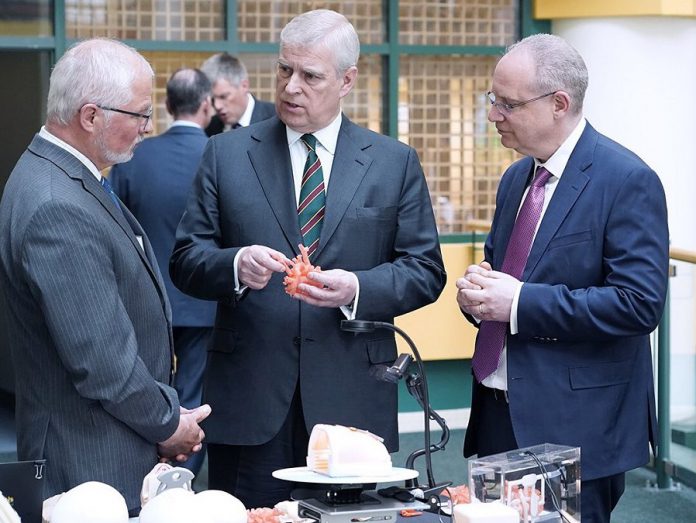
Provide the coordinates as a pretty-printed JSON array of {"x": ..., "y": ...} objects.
[
  {"x": 234, "y": 104},
  {"x": 278, "y": 365},
  {"x": 89, "y": 322}
]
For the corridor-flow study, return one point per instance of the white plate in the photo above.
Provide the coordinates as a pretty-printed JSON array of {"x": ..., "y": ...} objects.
[{"x": 304, "y": 475}]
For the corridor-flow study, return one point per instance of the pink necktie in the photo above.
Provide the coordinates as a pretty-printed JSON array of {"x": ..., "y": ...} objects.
[{"x": 491, "y": 336}]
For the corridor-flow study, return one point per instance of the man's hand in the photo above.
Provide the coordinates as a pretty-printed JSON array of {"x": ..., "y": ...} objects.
[
  {"x": 188, "y": 436},
  {"x": 257, "y": 264},
  {"x": 339, "y": 288},
  {"x": 465, "y": 304},
  {"x": 494, "y": 296}
]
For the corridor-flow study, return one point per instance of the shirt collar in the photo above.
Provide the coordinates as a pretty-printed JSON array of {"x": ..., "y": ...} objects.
[
  {"x": 46, "y": 135},
  {"x": 184, "y": 123},
  {"x": 245, "y": 119},
  {"x": 327, "y": 137},
  {"x": 556, "y": 164}
]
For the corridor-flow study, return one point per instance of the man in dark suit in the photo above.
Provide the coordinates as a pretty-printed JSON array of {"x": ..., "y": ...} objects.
[
  {"x": 234, "y": 105},
  {"x": 573, "y": 283},
  {"x": 279, "y": 366},
  {"x": 154, "y": 186},
  {"x": 89, "y": 322}
]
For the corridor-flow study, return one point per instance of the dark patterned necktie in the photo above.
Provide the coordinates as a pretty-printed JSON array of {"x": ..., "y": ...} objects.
[
  {"x": 491, "y": 336},
  {"x": 110, "y": 191},
  {"x": 312, "y": 197}
]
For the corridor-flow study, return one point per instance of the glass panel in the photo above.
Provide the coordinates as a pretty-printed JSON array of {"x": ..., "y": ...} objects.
[
  {"x": 458, "y": 22},
  {"x": 262, "y": 20},
  {"x": 363, "y": 105},
  {"x": 26, "y": 18},
  {"x": 682, "y": 371},
  {"x": 146, "y": 19},
  {"x": 443, "y": 114}
]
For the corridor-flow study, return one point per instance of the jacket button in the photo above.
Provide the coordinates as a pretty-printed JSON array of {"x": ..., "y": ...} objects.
[{"x": 297, "y": 341}]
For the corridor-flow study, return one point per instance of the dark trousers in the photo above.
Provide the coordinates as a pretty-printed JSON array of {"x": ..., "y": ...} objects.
[
  {"x": 246, "y": 471},
  {"x": 598, "y": 497},
  {"x": 493, "y": 432},
  {"x": 191, "y": 349}
]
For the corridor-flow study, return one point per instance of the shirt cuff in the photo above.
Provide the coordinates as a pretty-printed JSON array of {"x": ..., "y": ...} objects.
[
  {"x": 513, "y": 309},
  {"x": 349, "y": 311},
  {"x": 239, "y": 289}
]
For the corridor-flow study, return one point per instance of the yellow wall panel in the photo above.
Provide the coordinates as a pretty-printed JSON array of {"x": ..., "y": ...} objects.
[
  {"x": 439, "y": 330},
  {"x": 553, "y": 9}
]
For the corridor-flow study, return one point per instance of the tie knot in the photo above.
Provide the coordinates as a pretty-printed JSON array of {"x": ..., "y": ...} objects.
[
  {"x": 309, "y": 140},
  {"x": 542, "y": 176}
]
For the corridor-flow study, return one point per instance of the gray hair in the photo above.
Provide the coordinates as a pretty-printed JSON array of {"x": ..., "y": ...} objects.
[
  {"x": 559, "y": 66},
  {"x": 327, "y": 28},
  {"x": 99, "y": 71},
  {"x": 226, "y": 67}
]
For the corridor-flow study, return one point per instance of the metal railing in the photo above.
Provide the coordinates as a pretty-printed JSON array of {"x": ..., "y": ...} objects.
[{"x": 664, "y": 467}]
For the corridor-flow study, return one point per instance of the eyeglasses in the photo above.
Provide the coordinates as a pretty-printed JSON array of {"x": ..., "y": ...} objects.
[
  {"x": 507, "y": 108},
  {"x": 145, "y": 116}
]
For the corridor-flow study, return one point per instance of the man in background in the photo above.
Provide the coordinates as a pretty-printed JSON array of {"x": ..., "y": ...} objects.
[
  {"x": 573, "y": 283},
  {"x": 88, "y": 321},
  {"x": 155, "y": 185},
  {"x": 234, "y": 104},
  {"x": 278, "y": 365}
]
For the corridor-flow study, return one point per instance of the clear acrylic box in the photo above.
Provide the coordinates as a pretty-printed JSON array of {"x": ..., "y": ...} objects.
[{"x": 542, "y": 482}]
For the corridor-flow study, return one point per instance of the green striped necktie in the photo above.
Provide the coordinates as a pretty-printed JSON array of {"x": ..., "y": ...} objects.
[{"x": 312, "y": 197}]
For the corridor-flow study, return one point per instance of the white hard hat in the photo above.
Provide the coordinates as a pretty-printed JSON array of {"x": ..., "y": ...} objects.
[
  {"x": 91, "y": 502},
  {"x": 216, "y": 506},
  {"x": 174, "y": 505}
]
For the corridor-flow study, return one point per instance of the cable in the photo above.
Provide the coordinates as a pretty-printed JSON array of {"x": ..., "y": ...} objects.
[{"x": 545, "y": 475}]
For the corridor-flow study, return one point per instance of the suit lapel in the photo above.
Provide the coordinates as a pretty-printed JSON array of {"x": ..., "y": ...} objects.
[
  {"x": 270, "y": 159},
  {"x": 570, "y": 186},
  {"x": 76, "y": 170},
  {"x": 349, "y": 167}
]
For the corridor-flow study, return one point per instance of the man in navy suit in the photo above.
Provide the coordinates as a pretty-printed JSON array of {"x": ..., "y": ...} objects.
[
  {"x": 234, "y": 104},
  {"x": 155, "y": 185},
  {"x": 574, "y": 362},
  {"x": 278, "y": 365}
]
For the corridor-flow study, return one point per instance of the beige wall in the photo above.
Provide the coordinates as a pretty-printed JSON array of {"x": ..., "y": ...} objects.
[{"x": 440, "y": 331}]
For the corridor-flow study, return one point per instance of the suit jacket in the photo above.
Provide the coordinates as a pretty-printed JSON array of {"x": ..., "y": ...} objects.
[
  {"x": 155, "y": 185},
  {"x": 579, "y": 370},
  {"x": 89, "y": 327},
  {"x": 379, "y": 225},
  {"x": 262, "y": 111}
]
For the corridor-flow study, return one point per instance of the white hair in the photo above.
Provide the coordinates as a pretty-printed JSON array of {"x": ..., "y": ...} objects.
[
  {"x": 327, "y": 28},
  {"x": 99, "y": 71}
]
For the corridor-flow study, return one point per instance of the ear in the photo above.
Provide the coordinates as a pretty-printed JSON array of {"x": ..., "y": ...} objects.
[
  {"x": 349, "y": 78},
  {"x": 244, "y": 84},
  {"x": 87, "y": 115},
  {"x": 561, "y": 103}
]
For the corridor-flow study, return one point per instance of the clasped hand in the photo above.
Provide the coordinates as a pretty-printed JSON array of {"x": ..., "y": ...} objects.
[
  {"x": 188, "y": 437},
  {"x": 486, "y": 294}
]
